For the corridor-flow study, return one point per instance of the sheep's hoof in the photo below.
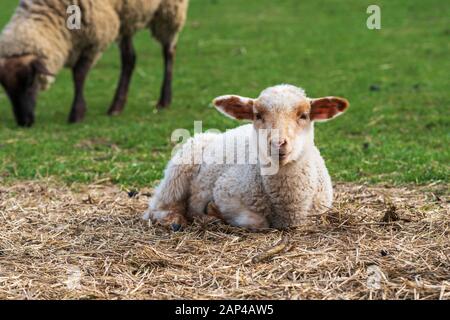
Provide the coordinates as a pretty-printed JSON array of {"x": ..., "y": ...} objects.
[
  {"x": 162, "y": 105},
  {"x": 77, "y": 117},
  {"x": 116, "y": 108},
  {"x": 175, "y": 221},
  {"x": 114, "y": 113},
  {"x": 176, "y": 227}
]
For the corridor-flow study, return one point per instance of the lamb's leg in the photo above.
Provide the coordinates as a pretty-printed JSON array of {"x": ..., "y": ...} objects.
[
  {"x": 79, "y": 72},
  {"x": 235, "y": 214},
  {"x": 166, "y": 89},
  {"x": 168, "y": 205},
  {"x": 213, "y": 212},
  {"x": 167, "y": 215},
  {"x": 249, "y": 220},
  {"x": 128, "y": 60}
]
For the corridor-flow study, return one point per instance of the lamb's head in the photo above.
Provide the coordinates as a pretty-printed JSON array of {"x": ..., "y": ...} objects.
[
  {"x": 286, "y": 114},
  {"x": 20, "y": 76}
]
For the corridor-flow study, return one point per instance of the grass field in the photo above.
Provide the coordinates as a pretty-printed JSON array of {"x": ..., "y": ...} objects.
[{"x": 396, "y": 133}]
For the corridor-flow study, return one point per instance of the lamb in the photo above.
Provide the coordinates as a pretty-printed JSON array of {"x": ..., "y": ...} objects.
[
  {"x": 36, "y": 44},
  {"x": 251, "y": 194}
]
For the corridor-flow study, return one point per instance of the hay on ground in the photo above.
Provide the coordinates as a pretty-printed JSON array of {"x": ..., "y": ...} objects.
[{"x": 89, "y": 242}]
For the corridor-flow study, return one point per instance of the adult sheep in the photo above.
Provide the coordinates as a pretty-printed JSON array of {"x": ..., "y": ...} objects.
[{"x": 36, "y": 44}]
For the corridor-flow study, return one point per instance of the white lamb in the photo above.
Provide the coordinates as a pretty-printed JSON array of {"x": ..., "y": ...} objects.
[{"x": 246, "y": 194}]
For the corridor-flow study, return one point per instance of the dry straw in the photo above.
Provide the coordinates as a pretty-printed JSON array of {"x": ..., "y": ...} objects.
[{"x": 88, "y": 242}]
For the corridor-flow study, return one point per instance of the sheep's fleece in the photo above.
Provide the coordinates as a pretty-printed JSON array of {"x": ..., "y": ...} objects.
[
  {"x": 280, "y": 200},
  {"x": 39, "y": 27}
]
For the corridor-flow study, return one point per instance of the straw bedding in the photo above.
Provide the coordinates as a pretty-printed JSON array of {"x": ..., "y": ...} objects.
[{"x": 88, "y": 242}]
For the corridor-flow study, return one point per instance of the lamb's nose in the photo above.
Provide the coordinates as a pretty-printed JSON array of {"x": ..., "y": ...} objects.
[{"x": 281, "y": 144}]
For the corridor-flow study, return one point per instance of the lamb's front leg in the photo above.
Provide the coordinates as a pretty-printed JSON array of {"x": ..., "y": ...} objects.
[
  {"x": 167, "y": 215},
  {"x": 168, "y": 205}
]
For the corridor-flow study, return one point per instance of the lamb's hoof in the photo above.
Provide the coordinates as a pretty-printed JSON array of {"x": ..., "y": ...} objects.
[
  {"x": 176, "y": 227},
  {"x": 174, "y": 221}
]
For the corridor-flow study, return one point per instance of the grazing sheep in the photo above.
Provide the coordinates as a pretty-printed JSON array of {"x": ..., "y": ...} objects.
[
  {"x": 37, "y": 44},
  {"x": 248, "y": 194}
]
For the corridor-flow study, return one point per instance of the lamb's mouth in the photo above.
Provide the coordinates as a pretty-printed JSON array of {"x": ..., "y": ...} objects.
[{"x": 283, "y": 156}]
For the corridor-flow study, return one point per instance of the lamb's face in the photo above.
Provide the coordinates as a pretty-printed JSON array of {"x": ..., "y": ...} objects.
[
  {"x": 282, "y": 113},
  {"x": 284, "y": 116}
]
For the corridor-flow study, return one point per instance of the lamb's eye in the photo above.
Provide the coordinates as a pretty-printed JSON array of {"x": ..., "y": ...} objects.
[
  {"x": 258, "y": 116},
  {"x": 304, "y": 116}
]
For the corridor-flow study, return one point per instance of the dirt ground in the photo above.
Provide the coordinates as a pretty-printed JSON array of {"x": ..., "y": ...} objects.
[{"x": 88, "y": 242}]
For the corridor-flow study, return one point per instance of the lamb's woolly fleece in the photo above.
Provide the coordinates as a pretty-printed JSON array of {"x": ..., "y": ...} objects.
[
  {"x": 242, "y": 194},
  {"x": 38, "y": 27}
]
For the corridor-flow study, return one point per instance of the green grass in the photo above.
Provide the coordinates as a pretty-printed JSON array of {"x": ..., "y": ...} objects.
[{"x": 397, "y": 135}]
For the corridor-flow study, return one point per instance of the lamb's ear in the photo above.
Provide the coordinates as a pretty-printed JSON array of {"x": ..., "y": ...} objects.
[
  {"x": 327, "y": 108},
  {"x": 40, "y": 68},
  {"x": 235, "y": 107}
]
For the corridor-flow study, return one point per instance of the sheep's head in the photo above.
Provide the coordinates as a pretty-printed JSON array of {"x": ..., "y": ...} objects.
[
  {"x": 286, "y": 109},
  {"x": 20, "y": 76}
]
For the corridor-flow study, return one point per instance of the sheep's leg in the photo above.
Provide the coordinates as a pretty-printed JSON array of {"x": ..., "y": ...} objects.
[
  {"x": 236, "y": 214},
  {"x": 171, "y": 216},
  {"x": 79, "y": 73},
  {"x": 166, "y": 89},
  {"x": 168, "y": 205},
  {"x": 247, "y": 219},
  {"x": 213, "y": 213},
  {"x": 128, "y": 60}
]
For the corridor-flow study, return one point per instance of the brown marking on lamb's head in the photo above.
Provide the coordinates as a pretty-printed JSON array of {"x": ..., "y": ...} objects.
[
  {"x": 19, "y": 78},
  {"x": 236, "y": 107},
  {"x": 323, "y": 109}
]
